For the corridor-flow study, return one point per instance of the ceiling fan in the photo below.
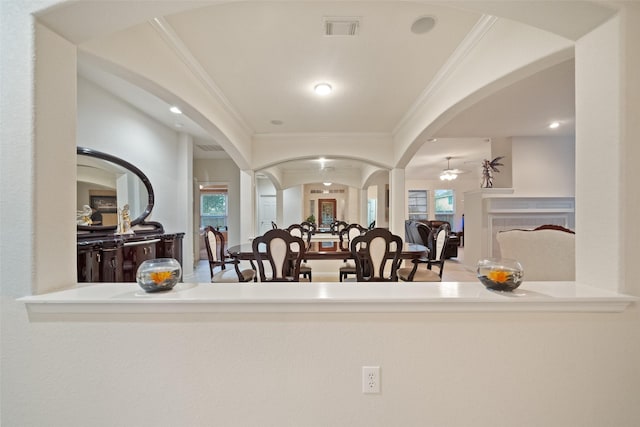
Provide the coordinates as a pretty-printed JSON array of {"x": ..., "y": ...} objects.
[{"x": 449, "y": 174}]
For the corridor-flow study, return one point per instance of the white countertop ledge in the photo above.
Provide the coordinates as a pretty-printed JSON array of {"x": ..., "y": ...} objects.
[{"x": 328, "y": 297}]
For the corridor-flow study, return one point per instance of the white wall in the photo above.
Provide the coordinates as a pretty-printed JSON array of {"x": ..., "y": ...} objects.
[
  {"x": 107, "y": 124},
  {"x": 599, "y": 153},
  {"x": 438, "y": 369},
  {"x": 543, "y": 166},
  {"x": 293, "y": 210}
]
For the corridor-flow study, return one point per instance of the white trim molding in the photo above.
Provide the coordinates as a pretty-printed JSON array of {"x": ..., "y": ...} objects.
[{"x": 128, "y": 298}]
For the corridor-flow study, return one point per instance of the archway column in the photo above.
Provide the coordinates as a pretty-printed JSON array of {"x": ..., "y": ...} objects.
[
  {"x": 397, "y": 201},
  {"x": 190, "y": 244},
  {"x": 280, "y": 208},
  {"x": 600, "y": 164},
  {"x": 364, "y": 207},
  {"x": 248, "y": 211}
]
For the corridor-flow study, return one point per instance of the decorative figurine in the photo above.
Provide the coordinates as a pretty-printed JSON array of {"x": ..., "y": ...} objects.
[
  {"x": 488, "y": 168},
  {"x": 83, "y": 217},
  {"x": 124, "y": 221}
]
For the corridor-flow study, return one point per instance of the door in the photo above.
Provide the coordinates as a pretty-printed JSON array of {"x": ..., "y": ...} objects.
[
  {"x": 267, "y": 209},
  {"x": 326, "y": 212}
]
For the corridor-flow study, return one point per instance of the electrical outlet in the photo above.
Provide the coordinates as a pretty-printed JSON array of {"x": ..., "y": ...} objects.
[{"x": 371, "y": 379}]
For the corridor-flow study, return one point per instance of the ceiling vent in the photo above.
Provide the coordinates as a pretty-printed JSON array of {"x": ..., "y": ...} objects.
[
  {"x": 210, "y": 148},
  {"x": 344, "y": 26}
]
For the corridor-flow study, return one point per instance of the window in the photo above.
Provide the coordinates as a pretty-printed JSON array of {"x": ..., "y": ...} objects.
[
  {"x": 418, "y": 204},
  {"x": 214, "y": 208},
  {"x": 371, "y": 210},
  {"x": 444, "y": 205}
]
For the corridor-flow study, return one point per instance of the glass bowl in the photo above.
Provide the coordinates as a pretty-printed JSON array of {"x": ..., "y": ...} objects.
[
  {"x": 160, "y": 274},
  {"x": 500, "y": 274}
]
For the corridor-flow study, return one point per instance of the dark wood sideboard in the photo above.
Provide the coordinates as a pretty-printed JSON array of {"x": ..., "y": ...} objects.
[{"x": 116, "y": 258}]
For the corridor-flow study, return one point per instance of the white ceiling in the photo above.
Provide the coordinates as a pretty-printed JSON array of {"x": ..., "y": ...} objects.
[{"x": 265, "y": 57}]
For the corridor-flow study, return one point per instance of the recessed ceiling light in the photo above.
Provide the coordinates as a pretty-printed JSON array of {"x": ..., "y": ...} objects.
[
  {"x": 277, "y": 122},
  {"x": 432, "y": 139},
  {"x": 322, "y": 88},
  {"x": 554, "y": 125},
  {"x": 175, "y": 110},
  {"x": 327, "y": 184},
  {"x": 423, "y": 25}
]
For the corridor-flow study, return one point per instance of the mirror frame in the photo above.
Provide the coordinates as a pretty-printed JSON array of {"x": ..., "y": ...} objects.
[{"x": 139, "y": 220}]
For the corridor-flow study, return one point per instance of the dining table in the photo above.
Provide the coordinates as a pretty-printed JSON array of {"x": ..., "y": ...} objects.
[{"x": 328, "y": 250}]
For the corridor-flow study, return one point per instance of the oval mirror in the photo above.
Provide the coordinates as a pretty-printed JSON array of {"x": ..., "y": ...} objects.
[{"x": 107, "y": 183}]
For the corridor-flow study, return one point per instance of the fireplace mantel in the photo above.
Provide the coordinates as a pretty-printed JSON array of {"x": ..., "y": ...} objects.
[{"x": 490, "y": 210}]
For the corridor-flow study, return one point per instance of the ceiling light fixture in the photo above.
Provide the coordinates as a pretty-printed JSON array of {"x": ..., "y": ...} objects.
[
  {"x": 175, "y": 110},
  {"x": 327, "y": 184},
  {"x": 423, "y": 25},
  {"x": 448, "y": 174},
  {"x": 554, "y": 125},
  {"x": 322, "y": 89}
]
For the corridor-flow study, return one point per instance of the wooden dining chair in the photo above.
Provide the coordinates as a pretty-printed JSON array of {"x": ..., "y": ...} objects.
[
  {"x": 338, "y": 226},
  {"x": 215, "y": 245},
  {"x": 377, "y": 255},
  {"x": 279, "y": 255},
  {"x": 346, "y": 236},
  {"x": 304, "y": 233},
  {"x": 309, "y": 226},
  {"x": 427, "y": 274}
]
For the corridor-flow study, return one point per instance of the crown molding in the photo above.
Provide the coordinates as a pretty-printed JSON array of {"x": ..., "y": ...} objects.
[
  {"x": 172, "y": 39},
  {"x": 324, "y": 135},
  {"x": 462, "y": 51}
]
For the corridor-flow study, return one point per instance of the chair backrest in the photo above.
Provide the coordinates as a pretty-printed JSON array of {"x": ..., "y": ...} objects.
[
  {"x": 299, "y": 230},
  {"x": 440, "y": 240},
  {"x": 423, "y": 231},
  {"x": 274, "y": 225},
  {"x": 408, "y": 233},
  {"x": 372, "y": 225},
  {"x": 546, "y": 253},
  {"x": 338, "y": 226},
  {"x": 440, "y": 237},
  {"x": 411, "y": 233},
  {"x": 278, "y": 255},
  {"x": 348, "y": 234},
  {"x": 377, "y": 255},
  {"x": 309, "y": 226},
  {"x": 215, "y": 245}
]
